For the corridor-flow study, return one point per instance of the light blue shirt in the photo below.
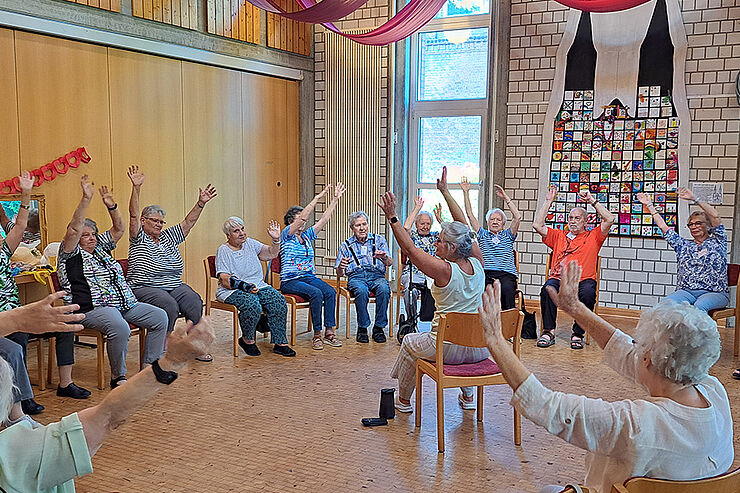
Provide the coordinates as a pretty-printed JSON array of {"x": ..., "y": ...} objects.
[
  {"x": 296, "y": 258},
  {"x": 363, "y": 252}
]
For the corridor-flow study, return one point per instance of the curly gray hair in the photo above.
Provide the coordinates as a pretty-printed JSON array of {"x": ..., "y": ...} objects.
[
  {"x": 355, "y": 216},
  {"x": 683, "y": 341},
  {"x": 152, "y": 209},
  {"x": 232, "y": 223},
  {"x": 458, "y": 235},
  {"x": 6, "y": 389}
]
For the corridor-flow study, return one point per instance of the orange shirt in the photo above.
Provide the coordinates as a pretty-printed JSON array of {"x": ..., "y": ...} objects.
[{"x": 583, "y": 248}]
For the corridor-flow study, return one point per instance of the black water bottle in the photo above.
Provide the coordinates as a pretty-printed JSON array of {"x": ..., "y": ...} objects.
[{"x": 387, "y": 407}]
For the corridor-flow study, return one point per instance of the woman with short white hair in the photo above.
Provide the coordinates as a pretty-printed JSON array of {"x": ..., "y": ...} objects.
[
  {"x": 240, "y": 283},
  {"x": 683, "y": 431},
  {"x": 419, "y": 226}
]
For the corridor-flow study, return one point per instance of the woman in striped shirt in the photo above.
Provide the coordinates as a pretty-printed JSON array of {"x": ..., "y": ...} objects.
[{"x": 497, "y": 243}]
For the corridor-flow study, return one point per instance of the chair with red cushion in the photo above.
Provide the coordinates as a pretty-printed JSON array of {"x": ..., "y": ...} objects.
[
  {"x": 294, "y": 301},
  {"x": 209, "y": 264},
  {"x": 733, "y": 279},
  {"x": 464, "y": 329}
]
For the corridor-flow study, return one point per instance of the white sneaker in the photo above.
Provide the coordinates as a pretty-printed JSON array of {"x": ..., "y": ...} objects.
[
  {"x": 465, "y": 404},
  {"x": 403, "y": 408}
]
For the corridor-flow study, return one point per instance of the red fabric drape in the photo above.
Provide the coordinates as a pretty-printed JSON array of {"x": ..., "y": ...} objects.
[
  {"x": 326, "y": 11},
  {"x": 601, "y": 5}
]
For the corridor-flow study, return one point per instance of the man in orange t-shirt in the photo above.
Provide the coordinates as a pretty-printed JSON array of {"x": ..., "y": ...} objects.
[{"x": 577, "y": 244}]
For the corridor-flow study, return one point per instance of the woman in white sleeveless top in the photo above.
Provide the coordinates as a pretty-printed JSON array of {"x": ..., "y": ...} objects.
[{"x": 459, "y": 282}]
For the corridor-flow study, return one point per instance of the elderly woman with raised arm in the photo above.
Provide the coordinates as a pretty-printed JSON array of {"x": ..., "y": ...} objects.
[
  {"x": 47, "y": 459},
  {"x": 297, "y": 272},
  {"x": 95, "y": 281},
  {"x": 459, "y": 282},
  {"x": 155, "y": 264},
  {"x": 681, "y": 431},
  {"x": 419, "y": 226},
  {"x": 497, "y": 243},
  {"x": 241, "y": 283}
]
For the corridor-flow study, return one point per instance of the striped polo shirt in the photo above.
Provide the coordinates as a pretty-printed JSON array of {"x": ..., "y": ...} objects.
[
  {"x": 156, "y": 265},
  {"x": 296, "y": 258},
  {"x": 498, "y": 250}
]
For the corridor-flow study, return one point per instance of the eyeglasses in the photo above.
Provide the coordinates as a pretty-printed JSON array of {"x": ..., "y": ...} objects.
[
  {"x": 156, "y": 221},
  {"x": 695, "y": 224}
]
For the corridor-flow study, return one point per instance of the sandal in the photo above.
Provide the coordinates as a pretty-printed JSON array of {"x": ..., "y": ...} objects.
[
  {"x": 576, "y": 342},
  {"x": 205, "y": 357},
  {"x": 317, "y": 344},
  {"x": 736, "y": 374},
  {"x": 331, "y": 339},
  {"x": 547, "y": 339}
]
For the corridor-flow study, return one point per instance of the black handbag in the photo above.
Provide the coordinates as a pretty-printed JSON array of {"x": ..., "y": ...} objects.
[
  {"x": 262, "y": 326},
  {"x": 529, "y": 325}
]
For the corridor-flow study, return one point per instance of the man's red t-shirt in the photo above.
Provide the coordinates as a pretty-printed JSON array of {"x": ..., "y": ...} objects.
[{"x": 583, "y": 248}]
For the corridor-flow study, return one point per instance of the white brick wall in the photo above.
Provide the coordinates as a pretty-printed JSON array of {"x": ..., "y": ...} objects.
[{"x": 635, "y": 272}]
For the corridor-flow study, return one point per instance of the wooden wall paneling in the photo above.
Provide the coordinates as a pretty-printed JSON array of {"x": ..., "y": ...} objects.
[
  {"x": 176, "y": 9},
  {"x": 211, "y": 16},
  {"x": 157, "y": 10},
  {"x": 219, "y": 17},
  {"x": 167, "y": 13},
  {"x": 115, "y": 5},
  {"x": 292, "y": 135},
  {"x": 137, "y": 8},
  {"x": 149, "y": 9},
  {"x": 213, "y": 154},
  {"x": 63, "y": 104},
  {"x": 193, "y": 13},
  {"x": 146, "y": 125},
  {"x": 243, "y": 26},
  {"x": 9, "y": 149}
]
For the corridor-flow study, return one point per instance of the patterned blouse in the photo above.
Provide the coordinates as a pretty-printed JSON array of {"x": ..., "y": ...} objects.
[
  {"x": 427, "y": 244},
  {"x": 701, "y": 267},
  {"x": 8, "y": 288}
]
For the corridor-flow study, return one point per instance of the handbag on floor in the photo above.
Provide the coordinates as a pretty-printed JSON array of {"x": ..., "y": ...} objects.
[
  {"x": 529, "y": 325},
  {"x": 262, "y": 325}
]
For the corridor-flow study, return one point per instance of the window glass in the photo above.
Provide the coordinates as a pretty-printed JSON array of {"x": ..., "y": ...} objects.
[
  {"x": 454, "y": 8},
  {"x": 452, "y": 141},
  {"x": 432, "y": 197}
]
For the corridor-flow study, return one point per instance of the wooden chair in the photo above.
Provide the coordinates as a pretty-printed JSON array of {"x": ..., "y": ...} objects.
[
  {"x": 294, "y": 301},
  {"x": 465, "y": 329},
  {"x": 209, "y": 265},
  {"x": 135, "y": 331},
  {"x": 40, "y": 377},
  {"x": 598, "y": 283},
  {"x": 343, "y": 292},
  {"x": 724, "y": 483},
  {"x": 733, "y": 279}
]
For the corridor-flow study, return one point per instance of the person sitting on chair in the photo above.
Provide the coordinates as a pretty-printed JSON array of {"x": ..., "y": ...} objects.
[
  {"x": 419, "y": 226},
  {"x": 363, "y": 258},
  {"x": 497, "y": 243},
  {"x": 155, "y": 264},
  {"x": 574, "y": 244},
  {"x": 683, "y": 431},
  {"x": 241, "y": 283}
]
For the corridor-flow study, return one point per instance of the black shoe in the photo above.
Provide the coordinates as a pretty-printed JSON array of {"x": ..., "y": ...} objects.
[
  {"x": 73, "y": 391},
  {"x": 378, "y": 334},
  {"x": 250, "y": 349},
  {"x": 362, "y": 335},
  {"x": 118, "y": 381},
  {"x": 31, "y": 407},
  {"x": 283, "y": 350}
]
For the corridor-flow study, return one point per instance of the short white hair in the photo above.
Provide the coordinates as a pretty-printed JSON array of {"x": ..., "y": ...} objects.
[
  {"x": 355, "y": 216},
  {"x": 151, "y": 210},
  {"x": 683, "y": 341},
  {"x": 232, "y": 223},
  {"x": 424, "y": 213},
  {"x": 496, "y": 211},
  {"x": 6, "y": 390}
]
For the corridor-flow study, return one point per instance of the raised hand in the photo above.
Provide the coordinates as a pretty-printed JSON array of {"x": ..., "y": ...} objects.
[
  {"x": 188, "y": 341},
  {"x": 388, "y": 204},
  {"x": 418, "y": 202},
  {"x": 490, "y": 313},
  {"x": 442, "y": 181},
  {"x": 42, "y": 316},
  {"x": 644, "y": 199},
  {"x": 465, "y": 184},
  {"x": 204, "y": 195},
  {"x": 567, "y": 297},
  {"x": 26, "y": 182},
  {"x": 500, "y": 193},
  {"x": 88, "y": 187},
  {"x": 136, "y": 176},
  {"x": 339, "y": 189},
  {"x": 438, "y": 213},
  {"x": 273, "y": 229},
  {"x": 686, "y": 194},
  {"x": 107, "y": 196},
  {"x": 585, "y": 196},
  {"x": 552, "y": 193}
]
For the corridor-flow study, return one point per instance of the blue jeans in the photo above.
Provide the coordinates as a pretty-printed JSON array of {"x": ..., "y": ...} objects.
[
  {"x": 360, "y": 283},
  {"x": 319, "y": 294},
  {"x": 701, "y": 298}
]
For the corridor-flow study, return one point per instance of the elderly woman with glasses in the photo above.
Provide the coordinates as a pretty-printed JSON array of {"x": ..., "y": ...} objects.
[
  {"x": 419, "y": 226},
  {"x": 94, "y": 280},
  {"x": 155, "y": 264},
  {"x": 681, "y": 430},
  {"x": 497, "y": 243}
]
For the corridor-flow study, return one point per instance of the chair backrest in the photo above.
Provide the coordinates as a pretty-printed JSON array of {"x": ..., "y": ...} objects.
[
  {"x": 733, "y": 275},
  {"x": 516, "y": 260},
  {"x": 54, "y": 285},
  {"x": 465, "y": 329},
  {"x": 724, "y": 483},
  {"x": 124, "y": 265},
  {"x": 211, "y": 266}
]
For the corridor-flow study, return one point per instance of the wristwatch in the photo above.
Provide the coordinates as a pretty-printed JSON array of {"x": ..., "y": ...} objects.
[
  {"x": 162, "y": 376},
  {"x": 394, "y": 219}
]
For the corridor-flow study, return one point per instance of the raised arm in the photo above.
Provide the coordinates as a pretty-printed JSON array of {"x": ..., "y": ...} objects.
[
  {"x": 418, "y": 204},
  {"x": 272, "y": 251},
  {"x": 711, "y": 212},
  {"x": 438, "y": 213},
  {"x": 116, "y": 231},
  {"x": 431, "y": 266},
  {"x": 539, "y": 219},
  {"x": 74, "y": 228},
  {"x": 456, "y": 211},
  {"x": 516, "y": 216},
  {"x": 184, "y": 344},
  {"x": 607, "y": 218},
  {"x": 657, "y": 218},
  {"x": 15, "y": 235},
  {"x": 474, "y": 224},
  {"x": 300, "y": 219},
  {"x": 338, "y": 191},
  {"x": 137, "y": 180},
  {"x": 204, "y": 196}
]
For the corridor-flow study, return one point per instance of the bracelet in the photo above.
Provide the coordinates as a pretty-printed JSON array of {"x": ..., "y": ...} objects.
[
  {"x": 26, "y": 207},
  {"x": 594, "y": 202},
  {"x": 276, "y": 242},
  {"x": 200, "y": 205},
  {"x": 694, "y": 202},
  {"x": 394, "y": 219},
  {"x": 112, "y": 208}
]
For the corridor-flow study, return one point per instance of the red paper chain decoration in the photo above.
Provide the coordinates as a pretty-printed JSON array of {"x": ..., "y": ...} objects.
[{"x": 48, "y": 171}]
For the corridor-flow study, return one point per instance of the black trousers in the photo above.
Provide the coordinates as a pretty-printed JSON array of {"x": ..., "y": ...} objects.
[
  {"x": 508, "y": 286},
  {"x": 65, "y": 345},
  {"x": 586, "y": 293}
]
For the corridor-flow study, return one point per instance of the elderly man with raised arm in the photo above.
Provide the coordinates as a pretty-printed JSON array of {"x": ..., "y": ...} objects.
[
  {"x": 48, "y": 458},
  {"x": 575, "y": 243},
  {"x": 363, "y": 258},
  {"x": 681, "y": 431}
]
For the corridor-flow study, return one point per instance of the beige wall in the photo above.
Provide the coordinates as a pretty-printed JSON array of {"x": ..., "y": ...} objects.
[{"x": 185, "y": 124}]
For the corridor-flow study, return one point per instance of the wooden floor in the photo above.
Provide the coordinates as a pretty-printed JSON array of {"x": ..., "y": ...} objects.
[{"x": 293, "y": 424}]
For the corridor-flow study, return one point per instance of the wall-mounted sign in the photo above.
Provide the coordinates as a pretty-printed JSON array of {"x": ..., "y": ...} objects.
[
  {"x": 711, "y": 193},
  {"x": 48, "y": 171}
]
